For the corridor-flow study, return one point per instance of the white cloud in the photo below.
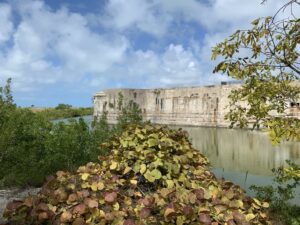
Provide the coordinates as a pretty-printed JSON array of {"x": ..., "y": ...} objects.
[
  {"x": 97, "y": 50},
  {"x": 6, "y": 25},
  {"x": 51, "y": 46},
  {"x": 157, "y": 17},
  {"x": 143, "y": 15},
  {"x": 175, "y": 66},
  {"x": 218, "y": 19}
]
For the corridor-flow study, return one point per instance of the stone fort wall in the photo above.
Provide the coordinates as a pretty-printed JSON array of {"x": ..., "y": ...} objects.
[{"x": 192, "y": 106}]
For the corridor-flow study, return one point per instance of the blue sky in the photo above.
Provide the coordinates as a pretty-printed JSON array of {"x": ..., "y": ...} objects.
[{"x": 63, "y": 51}]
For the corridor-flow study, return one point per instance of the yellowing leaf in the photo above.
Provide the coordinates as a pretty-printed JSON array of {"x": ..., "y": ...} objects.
[
  {"x": 85, "y": 185},
  {"x": 134, "y": 182},
  {"x": 250, "y": 216},
  {"x": 100, "y": 186},
  {"x": 127, "y": 169},
  {"x": 113, "y": 165},
  {"x": 170, "y": 183},
  {"x": 190, "y": 155},
  {"x": 94, "y": 186},
  {"x": 85, "y": 176},
  {"x": 257, "y": 201},
  {"x": 143, "y": 168},
  {"x": 116, "y": 206},
  {"x": 236, "y": 204},
  {"x": 265, "y": 204}
]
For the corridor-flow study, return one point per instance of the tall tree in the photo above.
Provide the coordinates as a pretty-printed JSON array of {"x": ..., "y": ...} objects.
[{"x": 266, "y": 58}]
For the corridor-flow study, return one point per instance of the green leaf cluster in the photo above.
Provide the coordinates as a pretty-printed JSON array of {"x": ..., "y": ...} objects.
[
  {"x": 266, "y": 59},
  {"x": 129, "y": 113},
  {"x": 152, "y": 175},
  {"x": 32, "y": 147},
  {"x": 285, "y": 182}
]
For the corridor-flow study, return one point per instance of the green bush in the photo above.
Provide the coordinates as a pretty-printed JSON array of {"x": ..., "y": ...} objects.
[
  {"x": 32, "y": 147},
  {"x": 286, "y": 180},
  {"x": 63, "y": 106},
  {"x": 129, "y": 113},
  {"x": 151, "y": 176},
  {"x": 22, "y": 148}
]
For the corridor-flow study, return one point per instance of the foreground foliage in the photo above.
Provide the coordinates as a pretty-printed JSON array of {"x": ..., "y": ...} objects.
[
  {"x": 286, "y": 180},
  {"x": 32, "y": 147},
  {"x": 152, "y": 176},
  {"x": 266, "y": 59}
]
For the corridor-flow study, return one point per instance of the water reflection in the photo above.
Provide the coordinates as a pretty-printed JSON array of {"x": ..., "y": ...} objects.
[
  {"x": 242, "y": 150},
  {"x": 242, "y": 156}
]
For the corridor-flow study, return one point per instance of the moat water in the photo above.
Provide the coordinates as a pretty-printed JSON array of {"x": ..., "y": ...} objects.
[{"x": 244, "y": 157}]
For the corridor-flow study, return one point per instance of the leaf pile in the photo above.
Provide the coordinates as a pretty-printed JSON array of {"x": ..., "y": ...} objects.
[{"x": 152, "y": 176}]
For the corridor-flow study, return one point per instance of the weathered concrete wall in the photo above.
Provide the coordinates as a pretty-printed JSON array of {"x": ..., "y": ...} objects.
[{"x": 196, "y": 106}]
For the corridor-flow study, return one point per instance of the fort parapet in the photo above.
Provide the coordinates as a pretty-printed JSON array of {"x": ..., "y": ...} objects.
[{"x": 191, "y": 106}]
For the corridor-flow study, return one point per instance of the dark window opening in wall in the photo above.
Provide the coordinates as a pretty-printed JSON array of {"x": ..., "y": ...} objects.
[
  {"x": 161, "y": 104},
  {"x": 295, "y": 104},
  {"x": 104, "y": 106},
  {"x": 111, "y": 105},
  {"x": 144, "y": 110},
  {"x": 217, "y": 103},
  {"x": 134, "y": 94},
  {"x": 156, "y": 101}
]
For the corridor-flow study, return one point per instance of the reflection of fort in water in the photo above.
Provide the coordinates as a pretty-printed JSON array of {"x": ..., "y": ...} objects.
[{"x": 242, "y": 150}]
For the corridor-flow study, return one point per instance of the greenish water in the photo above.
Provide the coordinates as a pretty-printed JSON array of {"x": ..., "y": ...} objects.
[{"x": 244, "y": 157}]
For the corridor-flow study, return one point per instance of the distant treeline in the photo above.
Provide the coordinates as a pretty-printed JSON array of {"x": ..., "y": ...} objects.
[{"x": 62, "y": 111}]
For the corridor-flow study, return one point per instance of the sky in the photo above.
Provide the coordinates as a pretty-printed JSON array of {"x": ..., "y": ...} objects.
[{"x": 64, "y": 51}]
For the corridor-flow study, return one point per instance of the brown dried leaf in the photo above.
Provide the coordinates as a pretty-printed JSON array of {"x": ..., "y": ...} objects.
[
  {"x": 66, "y": 217},
  {"x": 110, "y": 197},
  {"x": 79, "y": 209},
  {"x": 145, "y": 212},
  {"x": 205, "y": 218},
  {"x": 129, "y": 222}
]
